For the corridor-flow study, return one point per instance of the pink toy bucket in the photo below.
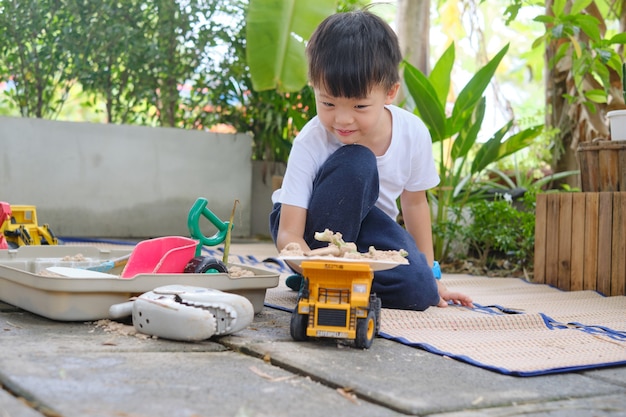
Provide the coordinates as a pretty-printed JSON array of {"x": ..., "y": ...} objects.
[{"x": 162, "y": 255}]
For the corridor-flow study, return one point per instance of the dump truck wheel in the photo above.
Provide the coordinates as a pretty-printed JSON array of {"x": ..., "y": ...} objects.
[
  {"x": 366, "y": 331},
  {"x": 298, "y": 325},
  {"x": 376, "y": 304},
  {"x": 205, "y": 265}
]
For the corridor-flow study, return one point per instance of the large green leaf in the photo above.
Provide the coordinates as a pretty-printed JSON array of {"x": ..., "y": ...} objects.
[
  {"x": 466, "y": 139},
  {"x": 518, "y": 141},
  {"x": 473, "y": 91},
  {"x": 440, "y": 75},
  {"x": 490, "y": 150},
  {"x": 495, "y": 148},
  {"x": 427, "y": 102},
  {"x": 276, "y": 32},
  {"x": 590, "y": 25},
  {"x": 578, "y": 6}
]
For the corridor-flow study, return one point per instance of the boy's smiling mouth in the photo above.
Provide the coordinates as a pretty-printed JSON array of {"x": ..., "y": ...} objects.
[{"x": 343, "y": 132}]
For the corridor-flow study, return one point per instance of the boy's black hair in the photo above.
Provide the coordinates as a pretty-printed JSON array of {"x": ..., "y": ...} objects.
[{"x": 350, "y": 53}]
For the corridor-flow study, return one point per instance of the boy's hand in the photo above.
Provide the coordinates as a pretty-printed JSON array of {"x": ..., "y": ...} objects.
[{"x": 458, "y": 298}]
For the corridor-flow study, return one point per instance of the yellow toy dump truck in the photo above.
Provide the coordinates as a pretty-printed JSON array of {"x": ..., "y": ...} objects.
[
  {"x": 19, "y": 227},
  {"x": 335, "y": 301}
]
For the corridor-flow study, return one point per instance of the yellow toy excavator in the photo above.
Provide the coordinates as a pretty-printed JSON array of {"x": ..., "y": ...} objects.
[{"x": 19, "y": 227}]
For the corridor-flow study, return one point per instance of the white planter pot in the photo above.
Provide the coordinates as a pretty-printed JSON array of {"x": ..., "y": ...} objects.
[{"x": 617, "y": 124}]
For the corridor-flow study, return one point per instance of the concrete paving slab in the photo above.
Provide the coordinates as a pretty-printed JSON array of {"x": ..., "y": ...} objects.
[
  {"x": 25, "y": 332},
  {"x": 603, "y": 406},
  {"x": 410, "y": 380},
  {"x": 68, "y": 367},
  {"x": 172, "y": 384},
  {"x": 615, "y": 375},
  {"x": 76, "y": 369},
  {"x": 13, "y": 407}
]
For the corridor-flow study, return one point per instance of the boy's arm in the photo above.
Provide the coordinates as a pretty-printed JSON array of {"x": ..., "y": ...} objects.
[
  {"x": 291, "y": 229},
  {"x": 416, "y": 215}
]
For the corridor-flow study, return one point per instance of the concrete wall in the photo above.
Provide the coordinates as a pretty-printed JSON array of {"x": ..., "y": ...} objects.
[
  {"x": 262, "y": 188},
  {"x": 123, "y": 181}
]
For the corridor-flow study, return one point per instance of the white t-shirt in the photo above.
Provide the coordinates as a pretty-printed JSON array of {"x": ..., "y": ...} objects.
[{"x": 407, "y": 165}]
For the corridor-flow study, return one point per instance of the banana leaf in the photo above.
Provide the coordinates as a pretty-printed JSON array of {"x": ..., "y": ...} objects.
[
  {"x": 275, "y": 36},
  {"x": 427, "y": 102}
]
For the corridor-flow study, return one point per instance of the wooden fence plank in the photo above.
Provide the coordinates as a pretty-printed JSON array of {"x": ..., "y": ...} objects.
[
  {"x": 608, "y": 160},
  {"x": 565, "y": 241},
  {"x": 605, "y": 242},
  {"x": 552, "y": 240},
  {"x": 591, "y": 241},
  {"x": 588, "y": 157},
  {"x": 541, "y": 207},
  {"x": 618, "y": 264},
  {"x": 578, "y": 241},
  {"x": 621, "y": 164}
]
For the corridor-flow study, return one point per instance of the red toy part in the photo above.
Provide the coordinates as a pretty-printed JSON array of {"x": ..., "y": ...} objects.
[
  {"x": 162, "y": 255},
  {"x": 5, "y": 212},
  {"x": 5, "y": 215}
]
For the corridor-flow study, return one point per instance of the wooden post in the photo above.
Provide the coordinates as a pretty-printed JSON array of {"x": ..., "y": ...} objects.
[
  {"x": 605, "y": 222},
  {"x": 590, "y": 220},
  {"x": 541, "y": 210},
  {"x": 564, "y": 221},
  {"x": 618, "y": 271},
  {"x": 580, "y": 241}
]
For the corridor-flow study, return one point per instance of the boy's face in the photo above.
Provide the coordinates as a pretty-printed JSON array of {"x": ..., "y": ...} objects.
[{"x": 356, "y": 120}]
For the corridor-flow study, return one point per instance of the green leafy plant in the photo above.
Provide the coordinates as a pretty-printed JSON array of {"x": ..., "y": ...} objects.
[
  {"x": 136, "y": 57},
  {"x": 34, "y": 55},
  {"x": 595, "y": 62},
  {"x": 272, "y": 117},
  {"x": 528, "y": 181},
  {"x": 461, "y": 157},
  {"x": 501, "y": 232}
]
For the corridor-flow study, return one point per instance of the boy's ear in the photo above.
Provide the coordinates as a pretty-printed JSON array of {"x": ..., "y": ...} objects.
[{"x": 392, "y": 93}]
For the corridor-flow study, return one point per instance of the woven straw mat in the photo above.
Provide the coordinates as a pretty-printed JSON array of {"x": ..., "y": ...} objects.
[{"x": 517, "y": 328}]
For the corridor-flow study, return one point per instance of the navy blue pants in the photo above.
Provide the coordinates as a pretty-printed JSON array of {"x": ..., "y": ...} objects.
[{"x": 344, "y": 193}]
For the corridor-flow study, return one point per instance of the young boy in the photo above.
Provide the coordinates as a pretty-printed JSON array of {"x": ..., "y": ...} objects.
[{"x": 352, "y": 161}]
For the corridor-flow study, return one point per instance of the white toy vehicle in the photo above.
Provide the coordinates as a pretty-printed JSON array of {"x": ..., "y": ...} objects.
[{"x": 187, "y": 313}]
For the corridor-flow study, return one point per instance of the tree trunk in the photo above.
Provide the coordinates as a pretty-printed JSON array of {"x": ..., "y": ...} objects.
[
  {"x": 413, "y": 17},
  {"x": 413, "y": 29},
  {"x": 167, "y": 43},
  {"x": 558, "y": 112}
]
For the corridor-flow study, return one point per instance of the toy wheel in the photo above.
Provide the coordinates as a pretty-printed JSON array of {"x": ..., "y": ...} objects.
[
  {"x": 205, "y": 265},
  {"x": 366, "y": 330},
  {"x": 376, "y": 304},
  {"x": 298, "y": 325}
]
